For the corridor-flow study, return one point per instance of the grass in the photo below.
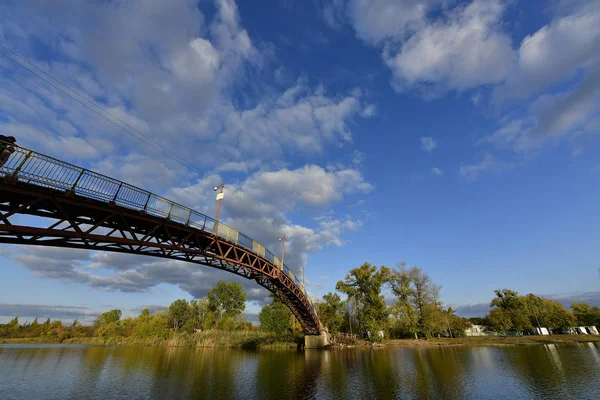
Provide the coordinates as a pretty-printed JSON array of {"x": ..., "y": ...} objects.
[{"x": 224, "y": 339}]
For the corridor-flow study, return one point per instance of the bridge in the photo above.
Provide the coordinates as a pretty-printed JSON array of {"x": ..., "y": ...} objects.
[{"x": 77, "y": 208}]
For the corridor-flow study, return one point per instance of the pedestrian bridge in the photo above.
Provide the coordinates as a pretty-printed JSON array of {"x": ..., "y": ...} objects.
[{"x": 73, "y": 207}]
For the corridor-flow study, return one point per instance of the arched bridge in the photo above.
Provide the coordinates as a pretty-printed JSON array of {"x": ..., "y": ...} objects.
[{"x": 77, "y": 208}]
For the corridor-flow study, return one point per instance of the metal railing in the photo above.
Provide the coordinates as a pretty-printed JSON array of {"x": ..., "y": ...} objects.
[{"x": 38, "y": 169}]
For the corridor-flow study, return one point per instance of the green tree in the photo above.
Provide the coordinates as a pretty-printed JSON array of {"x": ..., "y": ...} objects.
[
  {"x": 506, "y": 300},
  {"x": 199, "y": 310},
  {"x": 331, "y": 311},
  {"x": 499, "y": 320},
  {"x": 547, "y": 313},
  {"x": 106, "y": 318},
  {"x": 363, "y": 285},
  {"x": 515, "y": 309},
  {"x": 275, "y": 317},
  {"x": 418, "y": 303},
  {"x": 585, "y": 314},
  {"x": 180, "y": 313},
  {"x": 227, "y": 298}
]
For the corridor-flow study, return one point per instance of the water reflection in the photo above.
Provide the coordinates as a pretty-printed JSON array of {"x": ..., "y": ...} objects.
[{"x": 544, "y": 371}]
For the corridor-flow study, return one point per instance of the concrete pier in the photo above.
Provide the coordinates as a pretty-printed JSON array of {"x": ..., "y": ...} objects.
[{"x": 316, "y": 341}]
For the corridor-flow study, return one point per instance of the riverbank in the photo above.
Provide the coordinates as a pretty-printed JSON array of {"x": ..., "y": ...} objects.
[
  {"x": 256, "y": 340},
  {"x": 222, "y": 339},
  {"x": 492, "y": 341}
]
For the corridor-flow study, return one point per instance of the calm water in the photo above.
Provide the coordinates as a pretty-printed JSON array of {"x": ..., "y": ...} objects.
[{"x": 82, "y": 372}]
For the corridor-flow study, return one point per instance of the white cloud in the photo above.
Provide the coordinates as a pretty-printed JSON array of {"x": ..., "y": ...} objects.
[
  {"x": 377, "y": 20},
  {"x": 436, "y": 171},
  {"x": 555, "y": 52},
  {"x": 170, "y": 76},
  {"x": 428, "y": 144},
  {"x": 472, "y": 171},
  {"x": 464, "y": 50}
]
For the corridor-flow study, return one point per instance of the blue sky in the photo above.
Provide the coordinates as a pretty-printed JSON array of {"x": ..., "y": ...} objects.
[{"x": 462, "y": 137}]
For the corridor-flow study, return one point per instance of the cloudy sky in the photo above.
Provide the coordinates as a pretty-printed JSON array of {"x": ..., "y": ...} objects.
[{"x": 461, "y": 136}]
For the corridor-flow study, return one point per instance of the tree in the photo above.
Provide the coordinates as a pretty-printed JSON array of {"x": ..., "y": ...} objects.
[
  {"x": 199, "y": 309},
  {"x": 418, "y": 302},
  {"x": 515, "y": 310},
  {"x": 585, "y": 314},
  {"x": 106, "y": 318},
  {"x": 364, "y": 285},
  {"x": 227, "y": 298},
  {"x": 499, "y": 320},
  {"x": 331, "y": 311},
  {"x": 179, "y": 311},
  {"x": 275, "y": 317},
  {"x": 547, "y": 313},
  {"x": 506, "y": 299}
]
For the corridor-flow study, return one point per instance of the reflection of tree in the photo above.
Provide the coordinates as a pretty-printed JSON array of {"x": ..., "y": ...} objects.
[{"x": 288, "y": 375}]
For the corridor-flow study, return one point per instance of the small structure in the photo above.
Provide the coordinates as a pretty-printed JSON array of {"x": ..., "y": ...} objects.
[
  {"x": 477, "y": 330},
  {"x": 541, "y": 331},
  {"x": 592, "y": 330}
]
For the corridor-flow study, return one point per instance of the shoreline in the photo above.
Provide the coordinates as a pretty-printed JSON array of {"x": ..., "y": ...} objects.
[
  {"x": 481, "y": 341},
  {"x": 492, "y": 341}
]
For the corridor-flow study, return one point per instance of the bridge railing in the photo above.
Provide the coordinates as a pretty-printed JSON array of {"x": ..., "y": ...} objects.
[{"x": 38, "y": 169}]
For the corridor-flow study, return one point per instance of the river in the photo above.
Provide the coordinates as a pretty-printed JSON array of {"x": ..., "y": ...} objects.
[{"x": 92, "y": 372}]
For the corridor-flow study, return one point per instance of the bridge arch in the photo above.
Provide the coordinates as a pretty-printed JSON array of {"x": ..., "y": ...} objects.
[{"x": 79, "y": 208}]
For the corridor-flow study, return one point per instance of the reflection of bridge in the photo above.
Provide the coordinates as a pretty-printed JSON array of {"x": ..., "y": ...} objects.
[{"x": 82, "y": 209}]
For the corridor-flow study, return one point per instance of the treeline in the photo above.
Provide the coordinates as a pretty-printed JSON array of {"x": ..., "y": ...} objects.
[
  {"x": 510, "y": 311},
  {"x": 417, "y": 311},
  {"x": 222, "y": 310}
]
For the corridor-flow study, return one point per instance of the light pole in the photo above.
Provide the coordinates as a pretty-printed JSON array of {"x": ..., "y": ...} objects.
[
  {"x": 220, "y": 196},
  {"x": 282, "y": 240}
]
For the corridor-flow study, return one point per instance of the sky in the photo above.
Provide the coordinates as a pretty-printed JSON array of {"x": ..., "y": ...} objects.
[{"x": 459, "y": 136}]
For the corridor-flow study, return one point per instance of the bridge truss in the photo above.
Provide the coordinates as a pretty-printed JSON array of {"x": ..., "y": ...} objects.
[{"x": 71, "y": 219}]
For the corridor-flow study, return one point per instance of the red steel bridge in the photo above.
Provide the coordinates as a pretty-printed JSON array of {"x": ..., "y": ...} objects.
[{"x": 77, "y": 208}]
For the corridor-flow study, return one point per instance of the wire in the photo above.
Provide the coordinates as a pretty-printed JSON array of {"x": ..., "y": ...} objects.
[{"x": 82, "y": 100}]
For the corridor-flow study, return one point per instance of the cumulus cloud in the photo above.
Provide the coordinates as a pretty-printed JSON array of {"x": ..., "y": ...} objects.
[
  {"x": 428, "y": 46},
  {"x": 466, "y": 49},
  {"x": 555, "y": 52},
  {"x": 171, "y": 78},
  {"x": 436, "y": 171}
]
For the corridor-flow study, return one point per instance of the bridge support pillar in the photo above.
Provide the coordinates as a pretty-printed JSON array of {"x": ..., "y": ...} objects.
[{"x": 316, "y": 341}]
